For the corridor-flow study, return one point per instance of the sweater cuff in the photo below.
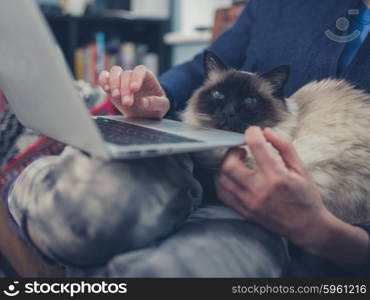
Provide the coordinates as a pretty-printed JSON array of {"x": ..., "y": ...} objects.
[
  {"x": 172, "y": 113},
  {"x": 365, "y": 270}
]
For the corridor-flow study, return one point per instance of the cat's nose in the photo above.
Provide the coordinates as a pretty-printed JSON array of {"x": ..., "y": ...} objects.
[
  {"x": 227, "y": 116},
  {"x": 230, "y": 111}
]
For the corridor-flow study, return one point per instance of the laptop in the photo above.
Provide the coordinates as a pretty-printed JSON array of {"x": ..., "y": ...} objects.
[{"x": 40, "y": 90}]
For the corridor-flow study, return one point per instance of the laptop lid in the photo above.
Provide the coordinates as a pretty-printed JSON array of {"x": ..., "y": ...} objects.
[{"x": 36, "y": 80}]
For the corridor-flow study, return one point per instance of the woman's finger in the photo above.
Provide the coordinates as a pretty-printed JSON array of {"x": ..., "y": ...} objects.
[
  {"x": 235, "y": 168},
  {"x": 104, "y": 81},
  {"x": 126, "y": 95},
  {"x": 242, "y": 195},
  {"x": 265, "y": 158},
  {"x": 115, "y": 82},
  {"x": 238, "y": 152},
  {"x": 138, "y": 76},
  {"x": 230, "y": 199},
  {"x": 156, "y": 106},
  {"x": 286, "y": 151}
]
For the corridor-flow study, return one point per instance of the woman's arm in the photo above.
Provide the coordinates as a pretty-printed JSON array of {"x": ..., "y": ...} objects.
[
  {"x": 280, "y": 195},
  {"x": 343, "y": 244}
]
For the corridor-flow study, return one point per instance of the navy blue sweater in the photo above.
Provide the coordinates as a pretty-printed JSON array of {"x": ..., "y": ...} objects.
[{"x": 270, "y": 33}]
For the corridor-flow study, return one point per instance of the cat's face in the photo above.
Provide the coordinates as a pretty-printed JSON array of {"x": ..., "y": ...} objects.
[{"x": 234, "y": 100}]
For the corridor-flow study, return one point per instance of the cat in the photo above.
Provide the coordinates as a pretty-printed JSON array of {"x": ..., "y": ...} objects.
[{"x": 328, "y": 122}]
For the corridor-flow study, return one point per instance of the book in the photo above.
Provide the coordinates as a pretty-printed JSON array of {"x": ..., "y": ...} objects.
[
  {"x": 79, "y": 64},
  {"x": 100, "y": 55},
  {"x": 127, "y": 55},
  {"x": 100, "y": 42},
  {"x": 92, "y": 48},
  {"x": 87, "y": 67},
  {"x": 151, "y": 61}
]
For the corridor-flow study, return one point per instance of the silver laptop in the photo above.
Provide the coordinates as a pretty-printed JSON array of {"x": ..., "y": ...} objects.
[{"x": 40, "y": 90}]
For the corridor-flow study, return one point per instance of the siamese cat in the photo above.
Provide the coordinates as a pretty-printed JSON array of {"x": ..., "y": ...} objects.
[{"x": 327, "y": 121}]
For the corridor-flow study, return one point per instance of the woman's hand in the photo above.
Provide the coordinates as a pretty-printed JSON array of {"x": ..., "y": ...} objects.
[
  {"x": 283, "y": 198},
  {"x": 135, "y": 93}
]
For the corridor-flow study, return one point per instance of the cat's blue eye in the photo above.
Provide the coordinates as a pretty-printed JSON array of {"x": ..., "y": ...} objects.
[
  {"x": 250, "y": 101},
  {"x": 217, "y": 95}
]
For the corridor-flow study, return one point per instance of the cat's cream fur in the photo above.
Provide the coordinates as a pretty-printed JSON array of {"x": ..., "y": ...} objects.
[{"x": 329, "y": 124}]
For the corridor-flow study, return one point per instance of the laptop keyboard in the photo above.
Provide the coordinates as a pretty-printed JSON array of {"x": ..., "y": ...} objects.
[{"x": 125, "y": 134}]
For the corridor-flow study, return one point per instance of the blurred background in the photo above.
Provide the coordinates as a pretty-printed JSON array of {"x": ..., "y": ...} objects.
[{"x": 97, "y": 34}]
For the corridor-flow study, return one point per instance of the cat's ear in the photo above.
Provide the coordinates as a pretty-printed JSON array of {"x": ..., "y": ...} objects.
[
  {"x": 212, "y": 64},
  {"x": 278, "y": 77}
]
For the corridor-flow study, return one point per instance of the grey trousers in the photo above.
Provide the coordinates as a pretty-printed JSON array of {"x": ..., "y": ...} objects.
[{"x": 142, "y": 218}]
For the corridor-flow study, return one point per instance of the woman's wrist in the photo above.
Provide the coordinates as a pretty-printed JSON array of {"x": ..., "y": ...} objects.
[
  {"x": 331, "y": 234},
  {"x": 317, "y": 233}
]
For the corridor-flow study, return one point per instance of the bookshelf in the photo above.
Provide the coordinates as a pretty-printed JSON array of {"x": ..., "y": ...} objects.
[{"x": 77, "y": 32}]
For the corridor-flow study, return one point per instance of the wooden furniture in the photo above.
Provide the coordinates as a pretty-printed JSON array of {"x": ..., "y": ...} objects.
[{"x": 225, "y": 17}]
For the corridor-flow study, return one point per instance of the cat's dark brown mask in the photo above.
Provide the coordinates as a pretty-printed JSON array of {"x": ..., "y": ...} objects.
[{"x": 234, "y": 100}]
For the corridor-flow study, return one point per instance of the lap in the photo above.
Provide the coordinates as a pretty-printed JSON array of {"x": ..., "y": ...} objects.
[
  {"x": 214, "y": 242},
  {"x": 85, "y": 210},
  {"x": 138, "y": 219}
]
